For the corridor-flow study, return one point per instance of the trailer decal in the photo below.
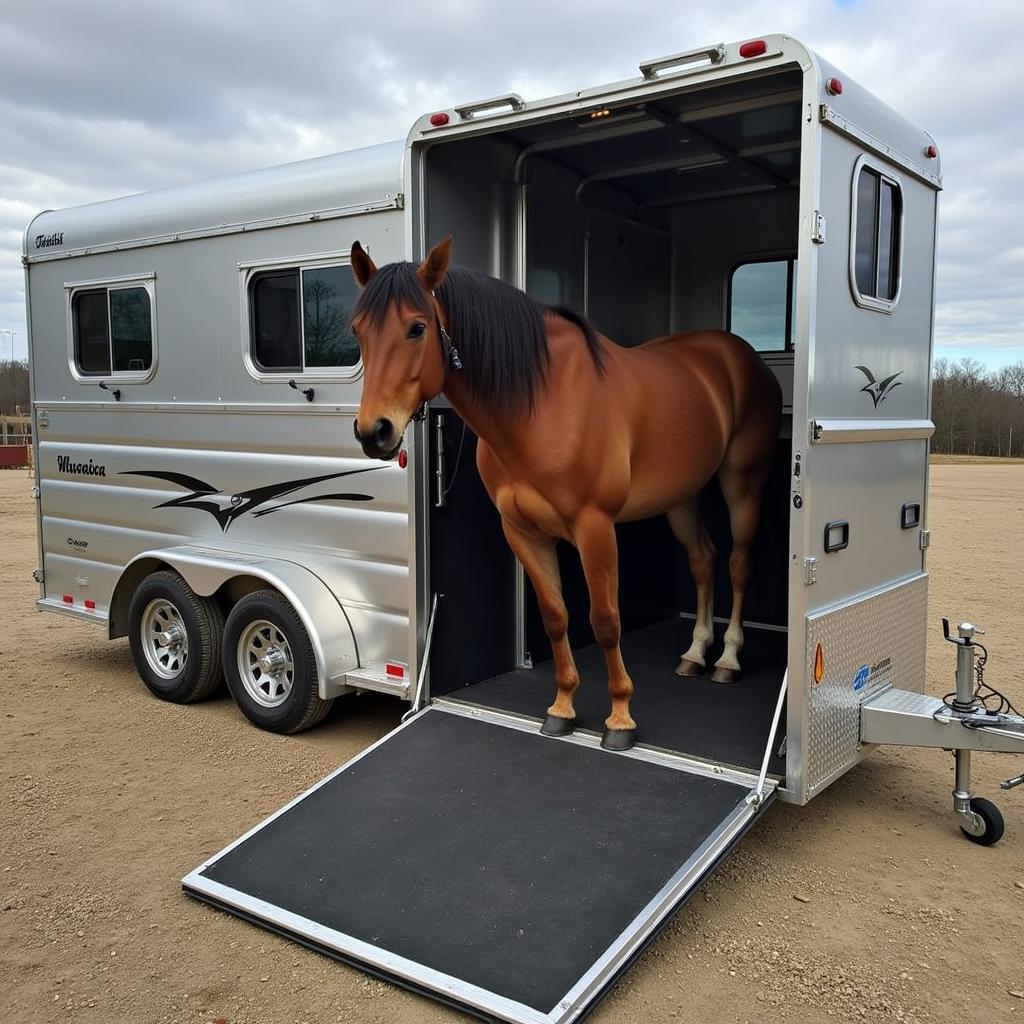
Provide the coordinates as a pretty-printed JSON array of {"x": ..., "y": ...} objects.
[
  {"x": 879, "y": 390},
  {"x": 227, "y": 508}
]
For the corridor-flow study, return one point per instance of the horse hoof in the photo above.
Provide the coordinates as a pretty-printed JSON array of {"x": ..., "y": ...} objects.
[
  {"x": 618, "y": 739},
  {"x": 689, "y": 668},
  {"x": 725, "y": 675},
  {"x": 556, "y": 726}
]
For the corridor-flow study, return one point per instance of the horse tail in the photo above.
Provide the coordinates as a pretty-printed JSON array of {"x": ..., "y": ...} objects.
[{"x": 589, "y": 334}]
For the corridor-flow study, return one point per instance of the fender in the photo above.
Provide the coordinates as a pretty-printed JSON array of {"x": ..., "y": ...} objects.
[{"x": 206, "y": 570}]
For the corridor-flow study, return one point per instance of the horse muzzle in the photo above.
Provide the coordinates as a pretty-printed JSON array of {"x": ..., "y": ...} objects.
[{"x": 382, "y": 441}]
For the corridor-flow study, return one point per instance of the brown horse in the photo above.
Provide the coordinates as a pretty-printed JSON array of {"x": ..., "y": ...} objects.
[{"x": 575, "y": 434}]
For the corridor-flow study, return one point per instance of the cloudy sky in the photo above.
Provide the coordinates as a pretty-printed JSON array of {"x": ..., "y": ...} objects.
[{"x": 105, "y": 98}]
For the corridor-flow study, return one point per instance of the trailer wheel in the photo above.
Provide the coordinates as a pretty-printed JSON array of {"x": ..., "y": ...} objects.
[
  {"x": 175, "y": 637},
  {"x": 270, "y": 666},
  {"x": 992, "y": 819}
]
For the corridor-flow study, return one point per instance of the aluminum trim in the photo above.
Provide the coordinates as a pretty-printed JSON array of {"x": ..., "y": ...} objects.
[
  {"x": 854, "y": 431},
  {"x": 828, "y": 115},
  {"x": 223, "y": 408},
  {"x": 582, "y": 738},
  {"x": 50, "y": 604},
  {"x": 395, "y": 202}
]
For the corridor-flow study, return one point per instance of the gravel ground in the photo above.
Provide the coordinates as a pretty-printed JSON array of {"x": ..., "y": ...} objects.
[{"x": 866, "y": 905}]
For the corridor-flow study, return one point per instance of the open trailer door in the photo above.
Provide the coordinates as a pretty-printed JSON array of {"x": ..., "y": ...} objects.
[{"x": 509, "y": 874}]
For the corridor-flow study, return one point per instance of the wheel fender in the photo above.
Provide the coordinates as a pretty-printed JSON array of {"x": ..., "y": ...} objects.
[{"x": 205, "y": 571}]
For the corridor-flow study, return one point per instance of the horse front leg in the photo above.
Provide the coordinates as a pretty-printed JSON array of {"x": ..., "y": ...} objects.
[
  {"x": 539, "y": 559},
  {"x": 594, "y": 536}
]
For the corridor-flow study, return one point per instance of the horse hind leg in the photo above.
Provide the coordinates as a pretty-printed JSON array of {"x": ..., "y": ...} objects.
[
  {"x": 539, "y": 559},
  {"x": 742, "y": 490},
  {"x": 691, "y": 533}
]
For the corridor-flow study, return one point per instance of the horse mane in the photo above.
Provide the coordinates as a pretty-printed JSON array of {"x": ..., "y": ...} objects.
[{"x": 498, "y": 329}]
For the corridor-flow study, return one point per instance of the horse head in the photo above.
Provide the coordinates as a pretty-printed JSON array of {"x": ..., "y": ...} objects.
[{"x": 405, "y": 350}]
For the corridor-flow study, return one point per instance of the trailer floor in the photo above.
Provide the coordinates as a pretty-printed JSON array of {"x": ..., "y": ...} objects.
[{"x": 712, "y": 721}]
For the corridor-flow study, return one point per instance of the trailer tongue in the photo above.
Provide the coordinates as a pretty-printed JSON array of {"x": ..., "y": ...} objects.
[{"x": 465, "y": 856}]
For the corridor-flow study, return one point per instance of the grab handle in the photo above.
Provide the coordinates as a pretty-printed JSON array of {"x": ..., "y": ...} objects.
[
  {"x": 469, "y": 110},
  {"x": 712, "y": 54}
]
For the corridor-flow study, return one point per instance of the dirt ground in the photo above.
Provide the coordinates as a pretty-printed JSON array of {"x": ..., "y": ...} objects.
[{"x": 866, "y": 905}]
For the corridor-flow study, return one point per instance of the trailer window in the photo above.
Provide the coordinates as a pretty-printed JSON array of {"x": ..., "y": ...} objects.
[
  {"x": 300, "y": 319},
  {"x": 113, "y": 331},
  {"x": 761, "y": 303},
  {"x": 877, "y": 216}
]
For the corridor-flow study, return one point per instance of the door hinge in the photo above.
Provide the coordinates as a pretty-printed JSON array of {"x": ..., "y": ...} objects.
[
  {"x": 42, "y": 419},
  {"x": 818, "y": 230},
  {"x": 926, "y": 538},
  {"x": 810, "y": 571},
  {"x": 36, "y": 492},
  {"x": 38, "y": 575}
]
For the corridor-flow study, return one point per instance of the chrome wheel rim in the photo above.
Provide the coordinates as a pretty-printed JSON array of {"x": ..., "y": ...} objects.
[
  {"x": 265, "y": 663},
  {"x": 164, "y": 638}
]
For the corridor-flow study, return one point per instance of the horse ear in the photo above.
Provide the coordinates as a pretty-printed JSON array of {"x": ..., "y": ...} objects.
[
  {"x": 432, "y": 270},
  {"x": 363, "y": 268}
]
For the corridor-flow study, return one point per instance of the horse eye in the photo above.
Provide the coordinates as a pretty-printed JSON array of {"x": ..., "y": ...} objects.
[{"x": 417, "y": 331}]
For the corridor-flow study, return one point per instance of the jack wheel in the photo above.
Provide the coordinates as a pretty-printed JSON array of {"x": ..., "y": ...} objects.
[{"x": 991, "y": 822}]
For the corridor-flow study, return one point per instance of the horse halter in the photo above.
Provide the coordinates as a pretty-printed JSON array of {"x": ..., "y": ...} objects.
[{"x": 450, "y": 358}]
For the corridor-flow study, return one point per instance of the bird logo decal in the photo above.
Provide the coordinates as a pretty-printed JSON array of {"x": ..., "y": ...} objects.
[
  {"x": 226, "y": 508},
  {"x": 879, "y": 389}
]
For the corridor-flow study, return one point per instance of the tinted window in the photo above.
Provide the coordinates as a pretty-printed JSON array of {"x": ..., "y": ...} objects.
[
  {"x": 876, "y": 240},
  {"x": 293, "y": 334},
  {"x": 131, "y": 329},
  {"x": 92, "y": 335},
  {"x": 276, "y": 337},
  {"x": 761, "y": 304},
  {"x": 328, "y": 295}
]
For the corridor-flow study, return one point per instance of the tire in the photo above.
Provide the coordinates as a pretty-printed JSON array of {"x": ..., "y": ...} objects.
[
  {"x": 286, "y": 698},
  {"x": 175, "y": 637},
  {"x": 993, "y": 821}
]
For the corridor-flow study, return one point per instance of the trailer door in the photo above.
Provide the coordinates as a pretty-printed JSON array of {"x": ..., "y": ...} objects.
[{"x": 466, "y": 856}]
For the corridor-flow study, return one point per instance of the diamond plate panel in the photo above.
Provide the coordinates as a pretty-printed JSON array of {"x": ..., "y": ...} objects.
[{"x": 867, "y": 644}]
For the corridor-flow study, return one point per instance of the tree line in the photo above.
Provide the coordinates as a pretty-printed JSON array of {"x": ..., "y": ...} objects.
[{"x": 976, "y": 412}]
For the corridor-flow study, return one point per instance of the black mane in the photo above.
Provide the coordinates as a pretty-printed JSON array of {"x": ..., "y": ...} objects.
[{"x": 498, "y": 329}]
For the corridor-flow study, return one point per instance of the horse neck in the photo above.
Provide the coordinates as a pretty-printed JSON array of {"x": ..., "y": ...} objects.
[{"x": 498, "y": 430}]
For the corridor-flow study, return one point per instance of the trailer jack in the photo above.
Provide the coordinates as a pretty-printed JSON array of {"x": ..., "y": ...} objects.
[{"x": 961, "y": 722}]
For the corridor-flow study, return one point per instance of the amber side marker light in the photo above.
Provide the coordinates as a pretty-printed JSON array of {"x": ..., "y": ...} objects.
[{"x": 819, "y": 664}]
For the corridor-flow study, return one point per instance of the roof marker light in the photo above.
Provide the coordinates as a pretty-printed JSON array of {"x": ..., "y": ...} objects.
[
  {"x": 754, "y": 48},
  {"x": 440, "y": 119},
  {"x": 931, "y": 152},
  {"x": 834, "y": 87}
]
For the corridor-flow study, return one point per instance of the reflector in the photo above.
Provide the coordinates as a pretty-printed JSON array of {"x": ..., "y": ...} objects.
[{"x": 754, "y": 48}]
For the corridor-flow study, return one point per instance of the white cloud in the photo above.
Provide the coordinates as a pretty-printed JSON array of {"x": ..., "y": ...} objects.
[{"x": 100, "y": 100}]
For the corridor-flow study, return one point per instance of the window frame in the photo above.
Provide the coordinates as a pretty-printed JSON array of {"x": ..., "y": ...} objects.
[
  {"x": 790, "y": 259},
  {"x": 891, "y": 178},
  {"x": 250, "y": 270},
  {"x": 109, "y": 284}
]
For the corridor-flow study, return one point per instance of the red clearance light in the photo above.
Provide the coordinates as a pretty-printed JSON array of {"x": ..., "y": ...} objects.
[
  {"x": 440, "y": 119},
  {"x": 67, "y": 599},
  {"x": 754, "y": 48},
  {"x": 395, "y": 668},
  {"x": 931, "y": 152},
  {"x": 403, "y": 459},
  {"x": 834, "y": 87},
  {"x": 90, "y": 604}
]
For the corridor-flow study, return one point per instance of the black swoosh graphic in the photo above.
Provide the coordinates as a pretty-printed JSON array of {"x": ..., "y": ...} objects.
[
  {"x": 243, "y": 501},
  {"x": 311, "y": 498}
]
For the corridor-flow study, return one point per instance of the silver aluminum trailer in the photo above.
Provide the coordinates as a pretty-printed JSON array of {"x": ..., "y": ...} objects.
[{"x": 203, "y": 458}]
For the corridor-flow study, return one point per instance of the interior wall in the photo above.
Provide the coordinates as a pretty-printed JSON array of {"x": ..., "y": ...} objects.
[{"x": 710, "y": 238}]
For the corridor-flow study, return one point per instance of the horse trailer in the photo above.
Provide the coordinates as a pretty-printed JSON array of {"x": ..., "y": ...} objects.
[{"x": 195, "y": 382}]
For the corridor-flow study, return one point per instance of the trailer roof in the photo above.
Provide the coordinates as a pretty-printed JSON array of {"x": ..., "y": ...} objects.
[{"x": 356, "y": 180}]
